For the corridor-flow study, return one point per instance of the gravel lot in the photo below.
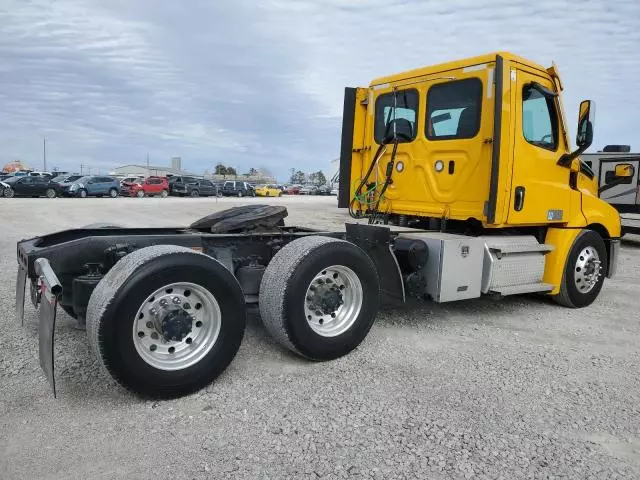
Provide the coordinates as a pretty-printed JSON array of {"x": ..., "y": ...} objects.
[{"x": 519, "y": 388}]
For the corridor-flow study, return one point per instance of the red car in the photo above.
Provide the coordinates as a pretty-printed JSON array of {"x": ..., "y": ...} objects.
[
  {"x": 146, "y": 187},
  {"x": 291, "y": 190}
]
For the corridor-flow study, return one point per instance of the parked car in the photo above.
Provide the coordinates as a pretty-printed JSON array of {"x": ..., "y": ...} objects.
[
  {"x": 323, "y": 190},
  {"x": 334, "y": 191},
  {"x": 93, "y": 186},
  {"x": 309, "y": 190},
  {"x": 237, "y": 189},
  {"x": 26, "y": 186},
  {"x": 268, "y": 191},
  {"x": 67, "y": 178},
  {"x": 291, "y": 190},
  {"x": 130, "y": 179},
  {"x": 146, "y": 187},
  {"x": 185, "y": 186}
]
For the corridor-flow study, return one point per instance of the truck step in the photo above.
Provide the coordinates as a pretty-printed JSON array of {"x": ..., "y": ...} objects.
[
  {"x": 527, "y": 288},
  {"x": 516, "y": 244}
]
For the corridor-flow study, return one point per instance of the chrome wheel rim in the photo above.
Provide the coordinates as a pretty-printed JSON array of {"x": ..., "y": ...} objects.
[
  {"x": 587, "y": 270},
  {"x": 8, "y": 192},
  {"x": 113, "y": 193},
  {"x": 157, "y": 339},
  {"x": 140, "y": 194},
  {"x": 83, "y": 194},
  {"x": 333, "y": 301},
  {"x": 51, "y": 193}
]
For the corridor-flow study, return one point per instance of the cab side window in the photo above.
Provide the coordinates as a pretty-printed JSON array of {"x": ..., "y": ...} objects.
[
  {"x": 453, "y": 109},
  {"x": 539, "y": 118}
]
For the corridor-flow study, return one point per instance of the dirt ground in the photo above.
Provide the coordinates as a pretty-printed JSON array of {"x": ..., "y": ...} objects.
[{"x": 518, "y": 388}]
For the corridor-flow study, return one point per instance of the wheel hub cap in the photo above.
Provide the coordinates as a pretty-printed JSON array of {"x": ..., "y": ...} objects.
[
  {"x": 176, "y": 326},
  {"x": 587, "y": 271},
  {"x": 333, "y": 301}
]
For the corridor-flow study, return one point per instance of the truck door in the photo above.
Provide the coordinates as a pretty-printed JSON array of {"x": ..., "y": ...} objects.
[
  {"x": 540, "y": 191},
  {"x": 626, "y": 192}
]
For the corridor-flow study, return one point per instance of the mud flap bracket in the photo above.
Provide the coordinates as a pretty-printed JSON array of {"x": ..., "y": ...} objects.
[{"x": 50, "y": 291}]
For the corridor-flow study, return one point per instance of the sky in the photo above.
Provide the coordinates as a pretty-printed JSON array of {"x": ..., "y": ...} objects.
[{"x": 260, "y": 84}]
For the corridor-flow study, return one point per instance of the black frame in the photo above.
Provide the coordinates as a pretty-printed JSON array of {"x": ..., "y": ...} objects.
[
  {"x": 390, "y": 94},
  {"x": 551, "y": 106},
  {"x": 479, "y": 114}
]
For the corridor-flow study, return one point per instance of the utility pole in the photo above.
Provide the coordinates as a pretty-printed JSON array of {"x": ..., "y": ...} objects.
[
  {"x": 44, "y": 153},
  {"x": 147, "y": 160},
  {"x": 81, "y": 168}
]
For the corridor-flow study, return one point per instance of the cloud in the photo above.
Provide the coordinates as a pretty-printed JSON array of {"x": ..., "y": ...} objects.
[{"x": 261, "y": 83}]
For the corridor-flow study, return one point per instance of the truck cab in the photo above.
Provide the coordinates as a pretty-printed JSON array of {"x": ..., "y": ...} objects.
[{"x": 477, "y": 146}]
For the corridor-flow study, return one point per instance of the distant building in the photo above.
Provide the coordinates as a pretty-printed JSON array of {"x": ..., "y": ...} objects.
[{"x": 150, "y": 170}]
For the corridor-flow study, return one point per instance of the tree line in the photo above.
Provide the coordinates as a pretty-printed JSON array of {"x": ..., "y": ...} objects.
[{"x": 300, "y": 178}]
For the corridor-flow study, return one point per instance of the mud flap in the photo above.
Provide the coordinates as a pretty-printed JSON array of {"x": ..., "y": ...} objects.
[
  {"x": 376, "y": 242},
  {"x": 50, "y": 290},
  {"x": 21, "y": 283}
]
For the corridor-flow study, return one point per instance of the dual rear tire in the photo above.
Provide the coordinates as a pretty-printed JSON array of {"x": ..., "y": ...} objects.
[{"x": 166, "y": 321}]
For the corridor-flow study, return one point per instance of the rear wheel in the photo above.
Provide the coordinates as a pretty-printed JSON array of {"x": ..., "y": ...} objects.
[
  {"x": 113, "y": 193},
  {"x": 319, "y": 297},
  {"x": 195, "y": 193},
  {"x": 240, "y": 194},
  {"x": 164, "y": 194},
  {"x": 584, "y": 271},
  {"x": 50, "y": 193},
  {"x": 166, "y": 321},
  {"x": 140, "y": 194}
]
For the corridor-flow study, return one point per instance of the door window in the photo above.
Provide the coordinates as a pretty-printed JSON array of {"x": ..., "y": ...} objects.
[
  {"x": 453, "y": 109},
  {"x": 399, "y": 113},
  {"x": 539, "y": 119}
]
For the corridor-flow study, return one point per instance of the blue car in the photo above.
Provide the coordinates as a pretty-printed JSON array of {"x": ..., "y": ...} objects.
[{"x": 93, "y": 186}]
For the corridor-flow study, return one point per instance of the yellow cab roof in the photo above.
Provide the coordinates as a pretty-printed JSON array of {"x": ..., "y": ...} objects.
[{"x": 456, "y": 64}]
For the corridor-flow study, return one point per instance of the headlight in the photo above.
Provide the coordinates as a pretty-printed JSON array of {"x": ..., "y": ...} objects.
[
  {"x": 74, "y": 186},
  {"x": 5, "y": 185}
]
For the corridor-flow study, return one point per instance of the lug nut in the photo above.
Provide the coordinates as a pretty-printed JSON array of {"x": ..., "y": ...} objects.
[
  {"x": 163, "y": 302},
  {"x": 176, "y": 300},
  {"x": 153, "y": 311}
]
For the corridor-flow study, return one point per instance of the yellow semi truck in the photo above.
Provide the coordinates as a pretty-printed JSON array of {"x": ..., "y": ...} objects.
[
  {"x": 462, "y": 182},
  {"x": 479, "y": 147}
]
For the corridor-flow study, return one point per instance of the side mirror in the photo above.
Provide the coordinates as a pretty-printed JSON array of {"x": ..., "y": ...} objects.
[
  {"x": 624, "y": 170},
  {"x": 586, "y": 121},
  {"x": 584, "y": 138}
]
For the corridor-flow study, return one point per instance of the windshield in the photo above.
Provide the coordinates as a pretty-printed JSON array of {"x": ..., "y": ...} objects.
[{"x": 11, "y": 179}]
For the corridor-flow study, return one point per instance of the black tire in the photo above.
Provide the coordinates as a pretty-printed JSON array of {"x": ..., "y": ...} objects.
[
  {"x": 284, "y": 287},
  {"x": 82, "y": 193},
  {"x": 115, "y": 302},
  {"x": 113, "y": 193},
  {"x": 570, "y": 295},
  {"x": 195, "y": 193}
]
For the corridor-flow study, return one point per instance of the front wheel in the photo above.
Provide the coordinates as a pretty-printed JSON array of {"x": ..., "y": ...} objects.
[
  {"x": 195, "y": 193},
  {"x": 240, "y": 194},
  {"x": 113, "y": 193},
  {"x": 82, "y": 193},
  {"x": 584, "y": 271},
  {"x": 166, "y": 321},
  {"x": 50, "y": 193},
  {"x": 9, "y": 193},
  {"x": 140, "y": 194},
  {"x": 164, "y": 194},
  {"x": 319, "y": 297}
]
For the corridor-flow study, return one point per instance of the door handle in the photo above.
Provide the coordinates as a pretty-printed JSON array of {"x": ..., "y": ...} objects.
[{"x": 518, "y": 201}]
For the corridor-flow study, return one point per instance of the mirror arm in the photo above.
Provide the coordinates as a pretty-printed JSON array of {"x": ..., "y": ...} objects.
[{"x": 567, "y": 158}]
